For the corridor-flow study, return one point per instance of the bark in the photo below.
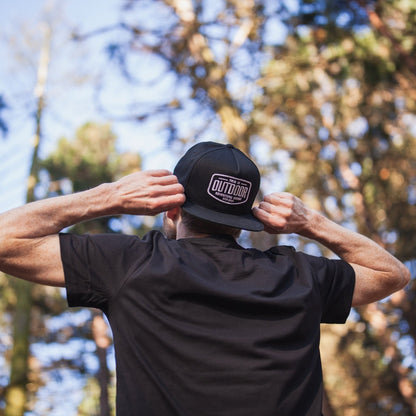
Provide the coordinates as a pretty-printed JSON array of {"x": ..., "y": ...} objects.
[
  {"x": 16, "y": 391},
  {"x": 402, "y": 378},
  {"x": 234, "y": 126},
  {"x": 380, "y": 26},
  {"x": 327, "y": 409},
  {"x": 16, "y": 395},
  {"x": 102, "y": 342}
]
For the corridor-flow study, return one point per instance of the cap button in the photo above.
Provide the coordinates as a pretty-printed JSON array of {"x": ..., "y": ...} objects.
[{"x": 229, "y": 145}]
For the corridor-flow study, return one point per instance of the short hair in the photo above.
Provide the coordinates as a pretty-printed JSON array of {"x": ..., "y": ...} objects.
[{"x": 199, "y": 225}]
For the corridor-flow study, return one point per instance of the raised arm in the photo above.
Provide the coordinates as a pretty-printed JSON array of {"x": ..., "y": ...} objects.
[
  {"x": 378, "y": 273},
  {"x": 29, "y": 243}
]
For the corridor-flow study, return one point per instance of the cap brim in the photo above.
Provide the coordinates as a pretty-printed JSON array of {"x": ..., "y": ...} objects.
[{"x": 245, "y": 222}]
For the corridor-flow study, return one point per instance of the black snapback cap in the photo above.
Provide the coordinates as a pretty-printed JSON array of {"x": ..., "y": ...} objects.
[{"x": 220, "y": 183}]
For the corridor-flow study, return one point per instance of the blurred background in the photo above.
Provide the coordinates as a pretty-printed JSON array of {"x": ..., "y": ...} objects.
[{"x": 321, "y": 94}]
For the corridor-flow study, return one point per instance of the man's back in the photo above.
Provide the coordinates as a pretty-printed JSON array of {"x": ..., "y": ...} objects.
[{"x": 204, "y": 327}]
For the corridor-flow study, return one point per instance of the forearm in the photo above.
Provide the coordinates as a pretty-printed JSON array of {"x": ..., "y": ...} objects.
[
  {"x": 49, "y": 216},
  {"x": 29, "y": 245},
  {"x": 141, "y": 193},
  {"x": 347, "y": 244},
  {"x": 378, "y": 273}
]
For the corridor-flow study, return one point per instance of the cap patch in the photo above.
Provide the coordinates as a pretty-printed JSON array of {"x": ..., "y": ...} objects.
[{"x": 228, "y": 189}]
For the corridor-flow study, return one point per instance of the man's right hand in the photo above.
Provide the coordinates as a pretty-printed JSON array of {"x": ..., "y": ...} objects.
[
  {"x": 378, "y": 273},
  {"x": 282, "y": 213}
]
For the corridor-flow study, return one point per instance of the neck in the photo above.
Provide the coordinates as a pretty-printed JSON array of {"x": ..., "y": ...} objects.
[{"x": 183, "y": 232}]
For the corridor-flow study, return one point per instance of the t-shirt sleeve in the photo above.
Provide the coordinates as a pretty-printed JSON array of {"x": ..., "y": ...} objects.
[
  {"x": 336, "y": 281},
  {"x": 95, "y": 266}
]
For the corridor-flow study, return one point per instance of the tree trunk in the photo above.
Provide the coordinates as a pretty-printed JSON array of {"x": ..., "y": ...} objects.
[
  {"x": 102, "y": 342},
  {"x": 16, "y": 395},
  {"x": 16, "y": 391},
  {"x": 327, "y": 409}
]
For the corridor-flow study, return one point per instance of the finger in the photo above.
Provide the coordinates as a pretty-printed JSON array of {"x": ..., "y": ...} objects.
[
  {"x": 271, "y": 198},
  {"x": 271, "y": 224},
  {"x": 159, "y": 172},
  {"x": 166, "y": 190},
  {"x": 174, "y": 201},
  {"x": 275, "y": 209},
  {"x": 157, "y": 205},
  {"x": 278, "y": 206},
  {"x": 166, "y": 181},
  {"x": 162, "y": 179},
  {"x": 262, "y": 214},
  {"x": 266, "y": 206},
  {"x": 280, "y": 198}
]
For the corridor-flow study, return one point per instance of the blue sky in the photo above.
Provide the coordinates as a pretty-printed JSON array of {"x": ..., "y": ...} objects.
[{"x": 70, "y": 105}]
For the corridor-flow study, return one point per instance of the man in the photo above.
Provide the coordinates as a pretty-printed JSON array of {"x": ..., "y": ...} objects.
[{"x": 201, "y": 325}]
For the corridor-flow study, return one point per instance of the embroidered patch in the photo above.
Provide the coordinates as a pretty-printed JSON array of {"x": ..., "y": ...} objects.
[{"x": 229, "y": 190}]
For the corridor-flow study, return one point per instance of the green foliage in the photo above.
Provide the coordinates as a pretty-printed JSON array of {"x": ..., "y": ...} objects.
[
  {"x": 337, "y": 95},
  {"x": 339, "y": 111},
  {"x": 342, "y": 105},
  {"x": 90, "y": 404},
  {"x": 91, "y": 158},
  {"x": 87, "y": 160}
]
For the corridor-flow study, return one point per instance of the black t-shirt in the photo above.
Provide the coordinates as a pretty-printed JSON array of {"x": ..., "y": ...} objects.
[{"x": 204, "y": 327}]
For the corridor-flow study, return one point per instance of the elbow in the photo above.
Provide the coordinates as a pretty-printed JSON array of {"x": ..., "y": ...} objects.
[
  {"x": 372, "y": 285},
  {"x": 399, "y": 278},
  {"x": 8, "y": 253},
  {"x": 3, "y": 253},
  {"x": 404, "y": 276}
]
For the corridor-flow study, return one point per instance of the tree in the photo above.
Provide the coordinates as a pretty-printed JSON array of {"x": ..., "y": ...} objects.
[
  {"x": 3, "y": 125},
  {"x": 88, "y": 160},
  {"x": 336, "y": 96},
  {"x": 339, "y": 101},
  {"x": 324, "y": 90},
  {"x": 26, "y": 47},
  {"x": 16, "y": 397},
  {"x": 206, "y": 54}
]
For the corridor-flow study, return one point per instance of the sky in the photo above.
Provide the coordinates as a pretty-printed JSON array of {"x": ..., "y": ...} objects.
[
  {"x": 71, "y": 104},
  {"x": 73, "y": 108}
]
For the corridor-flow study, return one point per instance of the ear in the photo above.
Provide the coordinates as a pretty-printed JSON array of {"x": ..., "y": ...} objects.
[{"x": 173, "y": 214}]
